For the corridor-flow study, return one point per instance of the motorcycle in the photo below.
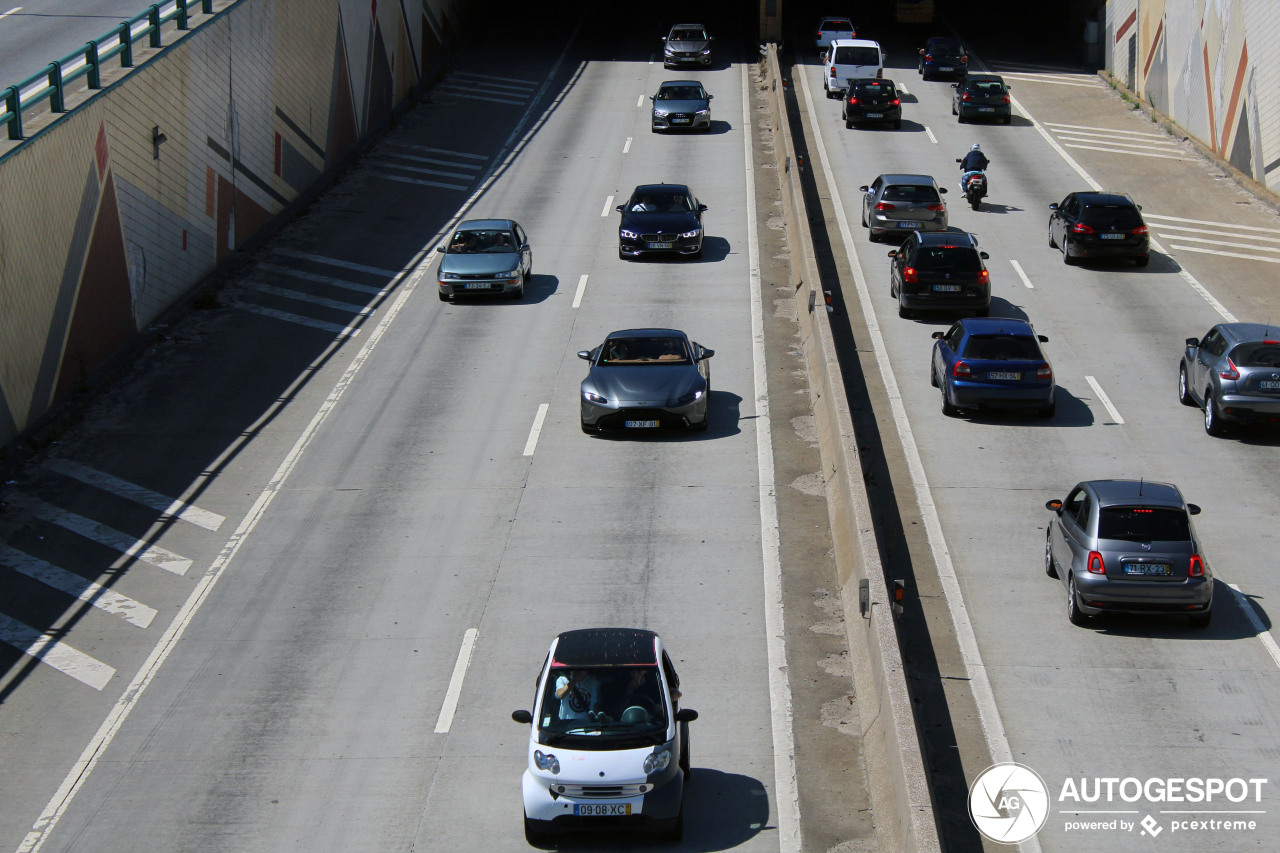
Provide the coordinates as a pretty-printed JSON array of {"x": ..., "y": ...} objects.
[{"x": 974, "y": 185}]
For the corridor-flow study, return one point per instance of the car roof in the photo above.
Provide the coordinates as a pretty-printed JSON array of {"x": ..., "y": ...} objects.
[
  {"x": 997, "y": 326},
  {"x": 983, "y": 77},
  {"x": 1250, "y": 331},
  {"x": 855, "y": 43},
  {"x": 835, "y": 18},
  {"x": 679, "y": 83},
  {"x": 908, "y": 179},
  {"x": 1130, "y": 492},
  {"x": 944, "y": 40},
  {"x": 648, "y": 333},
  {"x": 658, "y": 188},
  {"x": 1094, "y": 198},
  {"x": 606, "y": 647},
  {"x": 949, "y": 237},
  {"x": 687, "y": 26},
  {"x": 484, "y": 223}
]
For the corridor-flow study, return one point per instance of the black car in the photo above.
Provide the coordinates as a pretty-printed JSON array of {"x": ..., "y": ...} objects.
[
  {"x": 872, "y": 99},
  {"x": 943, "y": 56},
  {"x": 660, "y": 219},
  {"x": 981, "y": 96},
  {"x": 940, "y": 270},
  {"x": 1089, "y": 225}
]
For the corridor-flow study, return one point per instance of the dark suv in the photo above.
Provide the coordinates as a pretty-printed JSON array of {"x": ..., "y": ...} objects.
[
  {"x": 942, "y": 269},
  {"x": 872, "y": 99},
  {"x": 943, "y": 56},
  {"x": 1233, "y": 373},
  {"x": 1099, "y": 225}
]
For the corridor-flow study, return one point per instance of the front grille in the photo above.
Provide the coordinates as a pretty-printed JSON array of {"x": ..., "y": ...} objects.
[
  {"x": 609, "y": 792},
  {"x": 665, "y": 420},
  {"x": 680, "y": 117},
  {"x": 660, "y": 238},
  {"x": 474, "y": 276}
]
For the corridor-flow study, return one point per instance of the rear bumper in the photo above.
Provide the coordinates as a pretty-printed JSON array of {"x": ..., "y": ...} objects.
[
  {"x": 880, "y": 225},
  {"x": 980, "y": 111},
  {"x": 886, "y": 114},
  {"x": 972, "y": 395},
  {"x": 1244, "y": 408},
  {"x": 939, "y": 69},
  {"x": 926, "y": 301},
  {"x": 1102, "y": 251},
  {"x": 1109, "y": 595}
]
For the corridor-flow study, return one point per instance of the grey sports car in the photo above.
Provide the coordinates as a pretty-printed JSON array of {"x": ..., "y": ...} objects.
[
  {"x": 485, "y": 256},
  {"x": 681, "y": 104},
  {"x": 646, "y": 380}
]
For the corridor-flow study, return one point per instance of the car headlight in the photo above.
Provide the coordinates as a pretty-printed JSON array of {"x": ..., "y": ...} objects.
[
  {"x": 658, "y": 760},
  {"x": 704, "y": 112},
  {"x": 659, "y": 113},
  {"x": 628, "y": 234},
  {"x": 592, "y": 397},
  {"x": 448, "y": 276},
  {"x": 686, "y": 399},
  {"x": 671, "y": 51},
  {"x": 706, "y": 51},
  {"x": 694, "y": 233},
  {"x": 547, "y": 761}
]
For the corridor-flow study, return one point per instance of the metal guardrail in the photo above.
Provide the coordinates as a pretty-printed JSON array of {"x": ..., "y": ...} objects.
[{"x": 50, "y": 85}]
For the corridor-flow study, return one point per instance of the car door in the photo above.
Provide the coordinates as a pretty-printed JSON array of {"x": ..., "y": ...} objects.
[
  {"x": 526, "y": 252},
  {"x": 946, "y": 352},
  {"x": 868, "y": 197},
  {"x": 1069, "y": 532},
  {"x": 1207, "y": 359},
  {"x": 1057, "y": 223}
]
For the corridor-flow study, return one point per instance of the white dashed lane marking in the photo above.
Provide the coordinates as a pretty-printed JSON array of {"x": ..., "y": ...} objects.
[
  {"x": 536, "y": 429},
  {"x": 1105, "y": 400}
]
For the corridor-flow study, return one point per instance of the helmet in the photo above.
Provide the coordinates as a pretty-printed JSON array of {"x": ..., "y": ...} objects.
[{"x": 976, "y": 147}]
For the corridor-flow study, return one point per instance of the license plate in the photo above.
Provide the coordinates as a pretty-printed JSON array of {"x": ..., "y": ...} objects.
[
  {"x": 945, "y": 68},
  {"x": 875, "y": 115},
  {"x": 1112, "y": 236},
  {"x": 986, "y": 109},
  {"x": 1269, "y": 385},
  {"x": 477, "y": 285},
  {"x": 659, "y": 245},
  {"x": 1158, "y": 569},
  {"x": 679, "y": 121},
  {"x": 996, "y": 374},
  {"x": 640, "y": 424},
  {"x": 946, "y": 288},
  {"x": 905, "y": 224},
  {"x": 602, "y": 809}
]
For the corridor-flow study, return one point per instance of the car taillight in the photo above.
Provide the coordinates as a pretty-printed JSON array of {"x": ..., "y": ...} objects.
[
  {"x": 965, "y": 60},
  {"x": 984, "y": 277},
  {"x": 879, "y": 73},
  {"x": 965, "y": 96},
  {"x": 1232, "y": 372},
  {"x": 833, "y": 72},
  {"x": 1081, "y": 228},
  {"x": 1095, "y": 564},
  {"x": 884, "y": 205},
  {"x": 1197, "y": 566},
  {"x": 1006, "y": 100},
  {"x": 937, "y": 208},
  {"x": 961, "y": 370},
  {"x": 853, "y": 100},
  {"x": 895, "y": 102},
  {"x": 928, "y": 57},
  {"x": 1141, "y": 229},
  {"x": 909, "y": 275},
  {"x": 1044, "y": 371},
  {"x": 1271, "y": 343}
]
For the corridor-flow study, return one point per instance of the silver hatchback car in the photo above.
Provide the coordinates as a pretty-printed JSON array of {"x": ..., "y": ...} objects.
[
  {"x": 1233, "y": 374},
  {"x": 899, "y": 204},
  {"x": 1127, "y": 546}
]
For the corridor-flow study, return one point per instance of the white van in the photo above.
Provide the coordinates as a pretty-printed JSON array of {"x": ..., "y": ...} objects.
[
  {"x": 608, "y": 741},
  {"x": 848, "y": 59}
]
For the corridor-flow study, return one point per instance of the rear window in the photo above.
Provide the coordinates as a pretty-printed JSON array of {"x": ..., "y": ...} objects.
[
  {"x": 910, "y": 192},
  {"x": 1143, "y": 524},
  {"x": 873, "y": 87},
  {"x": 944, "y": 46},
  {"x": 946, "y": 259},
  {"x": 986, "y": 87},
  {"x": 837, "y": 26},
  {"x": 1125, "y": 214},
  {"x": 1003, "y": 348},
  {"x": 1256, "y": 355},
  {"x": 857, "y": 56}
]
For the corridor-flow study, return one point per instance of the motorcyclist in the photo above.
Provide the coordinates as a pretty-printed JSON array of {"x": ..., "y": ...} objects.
[{"x": 974, "y": 161}]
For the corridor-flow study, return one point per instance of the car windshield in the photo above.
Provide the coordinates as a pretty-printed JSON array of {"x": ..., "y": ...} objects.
[
  {"x": 478, "y": 240},
  {"x": 1002, "y": 348},
  {"x": 688, "y": 35},
  {"x": 643, "y": 351},
  {"x": 910, "y": 192},
  {"x": 659, "y": 202},
  {"x": 1143, "y": 524},
  {"x": 604, "y": 702},
  {"x": 1257, "y": 354},
  {"x": 681, "y": 93},
  {"x": 873, "y": 87},
  {"x": 857, "y": 56},
  {"x": 946, "y": 259}
]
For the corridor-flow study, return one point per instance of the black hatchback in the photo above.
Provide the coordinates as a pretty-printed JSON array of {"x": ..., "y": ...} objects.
[
  {"x": 940, "y": 270},
  {"x": 982, "y": 96},
  {"x": 872, "y": 99},
  {"x": 943, "y": 56},
  {"x": 1099, "y": 225}
]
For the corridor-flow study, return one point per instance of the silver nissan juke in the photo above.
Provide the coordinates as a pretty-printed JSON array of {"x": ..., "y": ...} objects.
[{"x": 646, "y": 380}]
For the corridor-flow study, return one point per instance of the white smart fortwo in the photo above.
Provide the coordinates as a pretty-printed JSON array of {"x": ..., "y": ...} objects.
[{"x": 608, "y": 742}]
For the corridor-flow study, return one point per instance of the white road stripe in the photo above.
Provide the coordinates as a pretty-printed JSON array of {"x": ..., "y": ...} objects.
[
  {"x": 1032, "y": 79},
  {"x": 450, "y": 706},
  {"x": 929, "y": 133},
  {"x": 11, "y": 11},
  {"x": 1017, "y": 267},
  {"x": 132, "y": 491},
  {"x": 388, "y": 176},
  {"x": 1219, "y": 241},
  {"x": 430, "y": 150},
  {"x": 473, "y": 95},
  {"x": 1241, "y": 255},
  {"x": 626, "y": 147},
  {"x": 640, "y": 101},
  {"x": 127, "y": 545},
  {"x": 903, "y": 89},
  {"x": 1134, "y": 153},
  {"x": 417, "y": 158},
  {"x": 1142, "y": 133},
  {"x": 298, "y": 295},
  {"x": 72, "y": 584},
  {"x": 582, "y": 287},
  {"x": 608, "y": 206},
  {"x": 57, "y": 654},
  {"x": 439, "y": 173},
  {"x": 1128, "y": 142},
  {"x": 322, "y": 279},
  {"x": 1218, "y": 235},
  {"x": 335, "y": 262},
  {"x": 536, "y": 429},
  {"x": 1105, "y": 400},
  {"x": 1214, "y": 223},
  {"x": 1268, "y": 641},
  {"x": 333, "y": 328},
  {"x": 501, "y": 81}
]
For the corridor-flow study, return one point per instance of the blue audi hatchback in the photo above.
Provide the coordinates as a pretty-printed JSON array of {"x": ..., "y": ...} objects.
[{"x": 992, "y": 362}]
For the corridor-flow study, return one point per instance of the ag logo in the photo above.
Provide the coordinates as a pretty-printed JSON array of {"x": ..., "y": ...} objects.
[{"x": 1008, "y": 802}]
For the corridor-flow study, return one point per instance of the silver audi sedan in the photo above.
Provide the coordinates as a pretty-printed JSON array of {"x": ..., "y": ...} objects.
[
  {"x": 681, "y": 105},
  {"x": 646, "y": 380},
  {"x": 1233, "y": 374},
  {"x": 1128, "y": 546}
]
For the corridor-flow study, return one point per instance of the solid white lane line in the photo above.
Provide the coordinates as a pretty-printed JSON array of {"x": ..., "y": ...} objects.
[
  {"x": 335, "y": 262},
  {"x": 1268, "y": 641},
  {"x": 57, "y": 654},
  {"x": 450, "y": 706},
  {"x": 132, "y": 491},
  {"x": 1017, "y": 267},
  {"x": 1211, "y": 222},
  {"x": 582, "y": 287},
  {"x": 1203, "y": 251},
  {"x": 336, "y": 329},
  {"x": 1104, "y": 399},
  {"x": 929, "y": 133},
  {"x": 536, "y": 429},
  {"x": 626, "y": 148},
  {"x": 786, "y": 791},
  {"x": 76, "y": 586},
  {"x": 1030, "y": 78},
  {"x": 370, "y": 289},
  {"x": 299, "y": 296},
  {"x": 127, "y": 545},
  {"x": 608, "y": 206}
]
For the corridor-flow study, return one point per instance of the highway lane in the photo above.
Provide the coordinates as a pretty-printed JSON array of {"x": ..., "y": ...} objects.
[
  {"x": 34, "y": 33},
  {"x": 1129, "y": 697}
]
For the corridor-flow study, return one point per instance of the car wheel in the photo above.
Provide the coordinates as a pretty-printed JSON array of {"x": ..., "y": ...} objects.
[
  {"x": 948, "y": 409},
  {"x": 1142, "y": 260},
  {"x": 1184, "y": 388},
  {"x": 933, "y": 377},
  {"x": 983, "y": 312},
  {"x": 864, "y": 217},
  {"x": 1074, "y": 613},
  {"x": 1046, "y": 412},
  {"x": 1212, "y": 418},
  {"x": 960, "y": 119},
  {"x": 518, "y": 293},
  {"x": 1201, "y": 620},
  {"x": 684, "y": 753},
  {"x": 1050, "y": 567},
  {"x": 848, "y": 123},
  {"x": 897, "y": 125},
  {"x": 903, "y": 311},
  {"x": 676, "y": 832},
  {"x": 1053, "y": 244},
  {"x": 1066, "y": 255},
  {"x": 1008, "y": 119}
]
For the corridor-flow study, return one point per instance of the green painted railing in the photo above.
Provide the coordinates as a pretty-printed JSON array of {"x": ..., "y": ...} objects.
[{"x": 51, "y": 84}]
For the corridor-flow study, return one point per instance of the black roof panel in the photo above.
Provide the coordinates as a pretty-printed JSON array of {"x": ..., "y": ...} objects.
[{"x": 606, "y": 647}]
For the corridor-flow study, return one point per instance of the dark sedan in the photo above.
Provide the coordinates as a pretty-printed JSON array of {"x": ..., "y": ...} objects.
[
  {"x": 870, "y": 99},
  {"x": 681, "y": 105},
  {"x": 660, "y": 219},
  {"x": 981, "y": 96},
  {"x": 1233, "y": 374},
  {"x": 1099, "y": 225},
  {"x": 943, "y": 56},
  {"x": 1127, "y": 546},
  {"x": 485, "y": 256},
  {"x": 646, "y": 380},
  {"x": 992, "y": 362},
  {"x": 940, "y": 270}
]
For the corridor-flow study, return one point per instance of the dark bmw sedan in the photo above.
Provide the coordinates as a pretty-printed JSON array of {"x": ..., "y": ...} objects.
[
  {"x": 681, "y": 105},
  {"x": 661, "y": 219},
  {"x": 992, "y": 362},
  {"x": 1099, "y": 225},
  {"x": 871, "y": 99},
  {"x": 646, "y": 380}
]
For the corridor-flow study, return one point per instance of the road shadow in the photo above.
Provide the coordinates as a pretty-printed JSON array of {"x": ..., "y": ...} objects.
[
  {"x": 1230, "y": 622},
  {"x": 539, "y": 288}
]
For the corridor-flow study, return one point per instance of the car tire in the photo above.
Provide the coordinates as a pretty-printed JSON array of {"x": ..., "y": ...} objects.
[
  {"x": 983, "y": 312},
  {"x": 953, "y": 108},
  {"x": 1184, "y": 387},
  {"x": 1213, "y": 423},
  {"x": 1046, "y": 412},
  {"x": 1008, "y": 119},
  {"x": 1053, "y": 244},
  {"x": 848, "y": 123},
  {"x": 864, "y": 216},
  {"x": 676, "y": 832},
  {"x": 1050, "y": 566},
  {"x": 948, "y": 409},
  {"x": 1074, "y": 613},
  {"x": 622, "y": 257},
  {"x": 903, "y": 311},
  {"x": 1066, "y": 255},
  {"x": 518, "y": 293},
  {"x": 1142, "y": 260},
  {"x": 589, "y": 430},
  {"x": 933, "y": 377},
  {"x": 960, "y": 119},
  {"x": 1200, "y": 620},
  {"x": 684, "y": 753},
  {"x": 897, "y": 125}
]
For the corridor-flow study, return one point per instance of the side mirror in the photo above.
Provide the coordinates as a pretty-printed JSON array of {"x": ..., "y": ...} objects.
[
  {"x": 942, "y": 190},
  {"x": 522, "y": 717},
  {"x": 1193, "y": 343},
  {"x": 893, "y": 253},
  {"x": 711, "y": 38},
  {"x": 585, "y": 355},
  {"x": 702, "y": 208},
  {"x": 1193, "y": 509},
  {"x": 984, "y": 256},
  {"x": 622, "y": 208},
  {"x": 865, "y": 188},
  {"x": 1139, "y": 207},
  {"x": 937, "y": 336},
  {"x": 709, "y": 97},
  {"x": 653, "y": 97},
  {"x": 440, "y": 248},
  {"x": 1055, "y": 505},
  {"x": 1053, "y": 206},
  {"x": 958, "y": 160},
  {"x": 1044, "y": 339},
  {"x": 707, "y": 353},
  {"x": 686, "y": 715}
]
